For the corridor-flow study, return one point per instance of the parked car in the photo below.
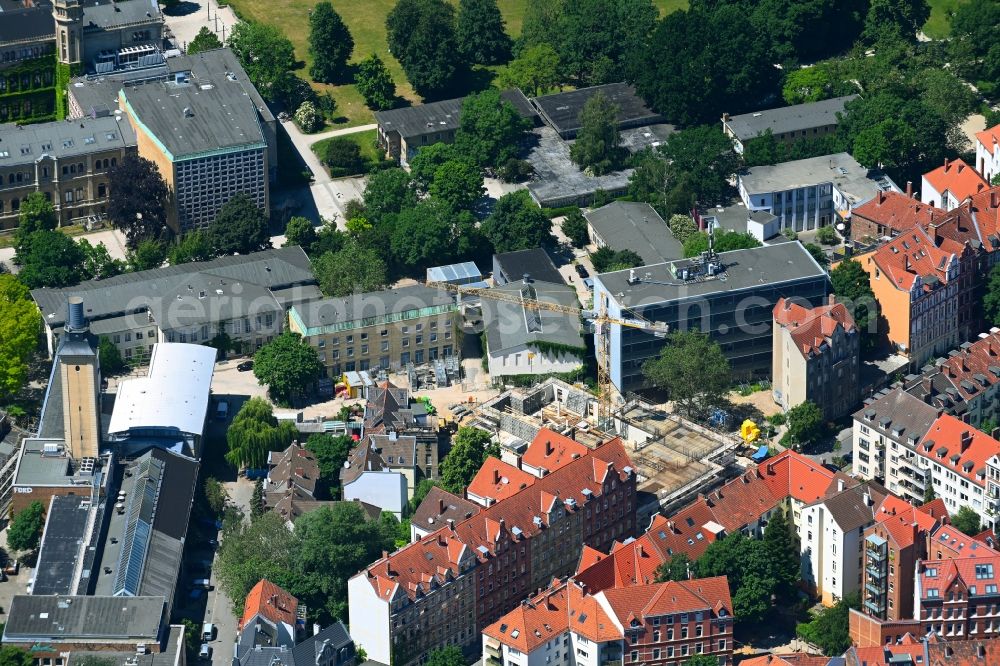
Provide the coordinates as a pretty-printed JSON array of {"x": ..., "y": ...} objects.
[
  {"x": 581, "y": 270},
  {"x": 222, "y": 411},
  {"x": 245, "y": 366},
  {"x": 205, "y": 652},
  {"x": 207, "y": 632},
  {"x": 202, "y": 583}
]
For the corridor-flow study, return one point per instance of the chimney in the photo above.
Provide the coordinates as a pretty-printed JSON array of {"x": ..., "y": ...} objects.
[
  {"x": 441, "y": 506},
  {"x": 451, "y": 524},
  {"x": 496, "y": 476},
  {"x": 725, "y": 117},
  {"x": 966, "y": 440},
  {"x": 868, "y": 498},
  {"x": 316, "y": 628},
  {"x": 76, "y": 321},
  {"x": 770, "y": 468},
  {"x": 946, "y": 164},
  {"x": 881, "y": 197},
  {"x": 273, "y": 600},
  {"x": 994, "y": 199},
  {"x": 831, "y": 299},
  {"x": 840, "y": 485},
  {"x": 909, "y": 189},
  {"x": 548, "y": 447}
]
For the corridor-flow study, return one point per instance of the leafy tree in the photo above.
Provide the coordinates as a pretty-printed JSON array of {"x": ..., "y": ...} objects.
[
  {"x": 20, "y": 328},
  {"x": 686, "y": 73},
  {"x": 286, "y": 365},
  {"x": 332, "y": 545},
  {"x": 944, "y": 93},
  {"x": 328, "y": 239},
  {"x": 375, "y": 83},
  {"x": 215, "y": 495},
  {"x": 111, "y": 359},
  {"x": 459, "y": 184},
  {"x": 805, "y": 424},
  {"x": 535, "y": 71},
  {"x": 389, "y": 191},
  {"x": 852, "y": 286},
  {"x": 658, "y": 183},
  {"x": 691, "y": 369},
  {"x": 97, "y": 261},
  {"x": 257, "y": 499},
  {"x": 809, "y": 84},
  {"x": 330, "y": 44},
  {"x": 423, "y": 236},
  {"x": 428, "y": 160},
  {"x": 36, "y": 214},
  {"x": 540, "y": 25},
  {"x": 929, "y": 494},
  {"x": 421, "y": 35},
  {"x": 827, "y": 236},
  {"x": 889, "y": 20},
  {"x": 308, "y": 118},
  {"x": 255, "y": 550},
  {"x": 254, "y": 432},
  {"x": 300, "y": 231},
  {"x": 267, "y": 56},
  {"x": 137, "y": 196},
  {"x": 676, "y": 568},
  {"x": 353, "y": 268},
  {"x": 25, "y": 530},
  {"x": 239, "y": 227},
  {"x": 343, "y": 156},
  {"x": 991, "y": 299},
  {"x": 966, "y": 521},
  {"x": 817, "y": 254},
  {"x": 205, "y": 40},
  {"x": 762, "y": 150},
  {"x": 828, "y": 629},
  {"x": 605, "y": 259},
  {"x": 575, "y": 228},
  {"x": 331, "y": 452},
  {"x": 192, "y": 246},
  {"x": 783, "y": 549},
  {"x": 517, "y": 223},
  {"x": 682, "y": 227},
  {"x": 50, "y": 259},
  {"x": 600, "y": 41},
  {"x": 15, "y": 656},
  {"x": 469, "y": 450},
  {"x": 598, "y": 144},
  {"x": 480, "y": 33},
  {"x": 490, "y": 129},
  {"x": 706, "y": 156},
  {"x": 148, "y": 254},
  {"x": 724, "y": 241},
  {"x": 702, "y": 660},
  {"x": 446, "y": 656},
  {"x": 750, "y": 572}
]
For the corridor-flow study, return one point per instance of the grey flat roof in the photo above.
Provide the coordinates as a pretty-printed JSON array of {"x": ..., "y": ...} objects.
[
  {"x": 744, "y": 269},
  {"x": 191, "y": 119},
  {"x": 626, "y": 225},
  {"x": 788, "y": 118},
  {"x": 164, "y": 291},
  {"x": 26, "y": 144},
  {"x": 65, "y": 529},
  {"x": 27, "y": 23},
  {"x": 411, "y": 121},
  {"x": 535, "y": 262},
  {"x": 331, "y": 311},
  {"x": 558, "y": 181},
  {"x": 509, "y": 325},
  {"x": 562, "y": 110},
  {"x": 105, "y": 14},
  {"x": 35, "y": 468},
  {"x": 855, "y": 181},
  {"x": 65, "y": 618}
]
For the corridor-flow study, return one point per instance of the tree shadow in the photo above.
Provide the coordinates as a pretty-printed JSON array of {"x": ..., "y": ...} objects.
[{"x": 185, "y": 8}]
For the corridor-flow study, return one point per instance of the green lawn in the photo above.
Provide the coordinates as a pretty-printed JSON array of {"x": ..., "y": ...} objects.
[
  {"x": 366, "y": 21},
  {"x": 938, "y": 26}
]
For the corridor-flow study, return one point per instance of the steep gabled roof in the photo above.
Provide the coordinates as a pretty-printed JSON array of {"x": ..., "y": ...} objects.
[
  {"x": 813, "y": 328},
  {"x": 497, "y": 480},
  {"x": 913, "y": 254},
  {"x": 550, "y": 451},
  {"x": 897, "y": 212},
  {"x": 959, "y": 447},
  {"x": 989, "y": 137},
  {"x": 956, "y": 177},
  {"x": 270, "y": 602}
]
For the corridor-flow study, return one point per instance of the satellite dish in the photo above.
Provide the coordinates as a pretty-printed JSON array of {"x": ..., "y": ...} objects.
[{"x": 840, "y": 226}]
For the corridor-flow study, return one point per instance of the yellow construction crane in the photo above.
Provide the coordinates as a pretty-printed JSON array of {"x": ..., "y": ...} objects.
[{"x": 599, "y": 318}]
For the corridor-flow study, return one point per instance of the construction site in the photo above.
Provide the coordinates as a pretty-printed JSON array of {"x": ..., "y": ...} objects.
[{"x": 674, "y": 458}]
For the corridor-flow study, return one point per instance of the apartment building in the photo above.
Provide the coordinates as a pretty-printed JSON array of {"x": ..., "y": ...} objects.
[
  {"x": 889, "y": 214},
  {"x": 206, "y": 140},
  {"x": 729, "y": 296},
  {"x": 887, "y": 430},
  {"x": 959, "y": 598},
  {"x": 663, "y": 624},
  {"x": 987, "y": 153},
  {"x": 67, "y": 162},
  {"x": 389, "y": 329},
  {"x": 917, "y": 284},
  {"x": 495, "y": 481},
  {"x": 965, "y": 382},
  {"x": 811, "y": 193},
  {"x": 446, "y": 587},
  {"x": 787, "y": 124},
  {"x": 816, "y": 357},
  {"x": 439, "y": 508},
  {"x": 245, "y": 297},
  {"x": 832, "y": 548},
  {"x": 949, "y": 185}
]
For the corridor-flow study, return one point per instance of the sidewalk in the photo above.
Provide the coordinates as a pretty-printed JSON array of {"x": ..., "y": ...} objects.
[{"x": 190, "y": 16}]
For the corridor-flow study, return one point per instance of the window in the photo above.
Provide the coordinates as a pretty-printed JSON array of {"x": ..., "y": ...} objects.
[{"x": 984, "y": 571}]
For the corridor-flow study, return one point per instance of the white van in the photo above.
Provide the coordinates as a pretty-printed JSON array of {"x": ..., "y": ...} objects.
[
  {"x": 203, "y": 583},
  {"x": 207, "y": 631},
  {"x": 205, "y": 652},
  {"x": 222, "y": 411}
]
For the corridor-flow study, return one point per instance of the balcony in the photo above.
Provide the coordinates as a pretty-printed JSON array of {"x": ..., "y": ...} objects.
[
  {"x": 875, "y": 572},
  {"x": 876, "y": 608},
  {"x": 875, "y": 589}
]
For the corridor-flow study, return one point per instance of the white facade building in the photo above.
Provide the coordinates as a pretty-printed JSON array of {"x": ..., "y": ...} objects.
[
  {"x": 385, "y": 488},
  {"x": 988, "y": 153}
]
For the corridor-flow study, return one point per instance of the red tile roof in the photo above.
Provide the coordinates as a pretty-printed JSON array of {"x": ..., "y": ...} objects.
[
  {"x": 270, "y": 602},
  {"x": 989, "y": 137},
  {"x": 549, "y": 451},
  {"x": 975, "y": 223},
  {"x": 974, "y": 369},
  {"x": 897, "y": 211},
  {"x": 959, "y": 447},
  {"x": 498, "y": 480},
  {"x": 795, "y": 659},
  {"x": 417, "y": 567},
  {"x": 811, "y": 328},
  {"x": 640, "y": 601},
  {"x": 956, "y": 177},
  {"x": 535, "y": 621},
  {"x": 970, "y": 652},
  {"x": 963, "y": 569},
  {"x": 912, "y": 254},
  {"x": 904, "y": 522}
]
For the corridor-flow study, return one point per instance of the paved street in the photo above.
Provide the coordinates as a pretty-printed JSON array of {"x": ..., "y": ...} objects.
[{"x": 189, "y": 17}]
